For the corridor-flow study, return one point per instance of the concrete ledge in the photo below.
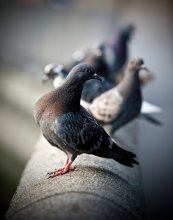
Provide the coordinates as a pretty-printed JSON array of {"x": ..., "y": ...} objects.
[{"x": 98, "y": 189}]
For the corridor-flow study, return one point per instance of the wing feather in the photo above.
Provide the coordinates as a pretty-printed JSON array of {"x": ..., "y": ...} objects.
[{"x": 80, "y": 131}]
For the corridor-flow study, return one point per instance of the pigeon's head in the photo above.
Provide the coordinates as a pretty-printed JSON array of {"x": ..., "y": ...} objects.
[
  {"x": 126, "y": 32},
  {"x": 101, "y": 46},
  {"x": 135, "y": 65},
  {"x": 52, "y": 70},
  {"x": 81, "y": 73}
]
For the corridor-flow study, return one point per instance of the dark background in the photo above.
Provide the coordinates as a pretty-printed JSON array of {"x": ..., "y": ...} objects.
[{"x": 36, "y": 32}]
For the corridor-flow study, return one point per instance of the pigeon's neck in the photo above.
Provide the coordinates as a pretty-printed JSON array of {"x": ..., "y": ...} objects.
[
  {"x": 121, "y": 49},
  {"x": 121, "y": 53},
  {"x": 130, "y": 82},
  {"x": 70, "y": 96}
]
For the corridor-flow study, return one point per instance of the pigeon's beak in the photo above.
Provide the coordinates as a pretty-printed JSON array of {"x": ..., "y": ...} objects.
[
  {"x": 141, "y": 62},
  {"x": 45, "y": 78},
  {"x": 95, "y": 76}
]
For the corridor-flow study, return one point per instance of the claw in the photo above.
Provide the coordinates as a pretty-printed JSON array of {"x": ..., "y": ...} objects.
[
  {"x": 60, "y": 171},
  {"x": 56, "y": 170}
]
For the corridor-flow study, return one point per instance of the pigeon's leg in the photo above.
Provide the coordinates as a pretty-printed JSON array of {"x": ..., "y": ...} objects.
[
  {"x": 60, "y": 168},
  {"x": 66, "y": 168}
]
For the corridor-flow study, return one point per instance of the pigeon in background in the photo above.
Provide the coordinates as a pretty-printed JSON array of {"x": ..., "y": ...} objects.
[
  {"x": 96, "y": 57},
  {"x": 54, "y": 72},
  {"x": 119, "y": 44},
  {"x": 69, "y": 127},
  {"x": 122, "y": 103}
]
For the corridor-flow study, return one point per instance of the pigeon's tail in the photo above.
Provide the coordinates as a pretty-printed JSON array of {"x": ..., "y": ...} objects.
[
  {"x": 113, "y": 151},
  {"x": 151, "y": 119},
  {"x": 123, "y": 156}
]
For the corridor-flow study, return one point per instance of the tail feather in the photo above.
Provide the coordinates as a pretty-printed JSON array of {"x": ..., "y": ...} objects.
[
  {"x": 108, "y": 148},
  {"x": 123, "y": 156},
  {"x": 113, "y": 151},
  {"x": 151, "y": 119}
]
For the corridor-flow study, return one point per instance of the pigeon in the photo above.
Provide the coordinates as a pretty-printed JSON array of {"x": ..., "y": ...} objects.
[
  {"x": 122, "y": 103},
  {"x": 68, "y": 126},
  {"x": 55, "y": 72}
]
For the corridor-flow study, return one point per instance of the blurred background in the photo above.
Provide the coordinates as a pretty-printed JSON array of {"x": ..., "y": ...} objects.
[{"x": 37, "y": 32}]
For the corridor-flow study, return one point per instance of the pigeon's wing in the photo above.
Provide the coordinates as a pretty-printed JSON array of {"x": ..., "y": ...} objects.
[
  {"x": 81, "y": 132},
  {"x": 107, "y": 106},
  {"x": 93, "y": 89},
  {"x": 129, "y": 110},
  {"x": 103, "y": 145}
]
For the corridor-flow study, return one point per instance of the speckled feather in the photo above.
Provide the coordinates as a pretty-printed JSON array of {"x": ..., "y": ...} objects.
[{"x": 82, "y": 132}]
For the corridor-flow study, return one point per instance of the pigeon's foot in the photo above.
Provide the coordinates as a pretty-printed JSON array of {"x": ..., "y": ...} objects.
[{"x": 62, "y": 170}]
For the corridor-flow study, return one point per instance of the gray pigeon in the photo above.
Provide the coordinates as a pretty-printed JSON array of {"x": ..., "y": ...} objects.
[
  {"x": 69, "y": 127},
  {"x": 122, "y": 103}
]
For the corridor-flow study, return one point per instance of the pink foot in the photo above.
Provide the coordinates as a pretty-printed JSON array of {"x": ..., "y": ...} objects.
[
  {"x": 56, "y": 170},
  {"x": 60, "y": 168},
  {"x": 67, "y": 167}
]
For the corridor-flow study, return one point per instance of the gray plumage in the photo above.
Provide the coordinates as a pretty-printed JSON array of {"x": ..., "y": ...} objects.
[{"x": 68, "y": 126}]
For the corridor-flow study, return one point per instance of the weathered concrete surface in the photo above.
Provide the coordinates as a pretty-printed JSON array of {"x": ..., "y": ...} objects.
[{"x": 97, "y": 189}]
